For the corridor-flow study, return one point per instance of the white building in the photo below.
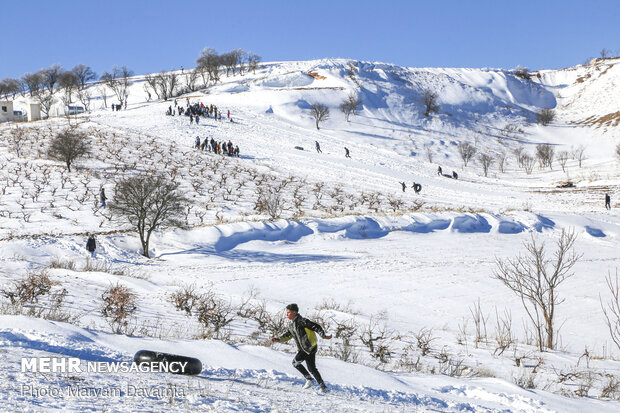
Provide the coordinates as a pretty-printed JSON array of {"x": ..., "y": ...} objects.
[{"x": 6, "y": 111}]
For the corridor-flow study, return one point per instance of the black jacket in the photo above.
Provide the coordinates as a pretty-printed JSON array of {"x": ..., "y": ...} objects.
[
  {"x": 302, "y": 330},
  {"x": 90, "y": 244}
]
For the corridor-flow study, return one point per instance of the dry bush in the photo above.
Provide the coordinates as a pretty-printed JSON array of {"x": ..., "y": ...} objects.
[
  {"x": 34, "y": 296},
  {"x": 376, "y": 337},
  {"x": 406, "y": 361},
  {"x": 466, "y": 151},
  {"x": 480, "y": 323},
  {"x": 214, "y": 314},
  {"x": 527, "y": 380},
  {"x": 29, "y": 289},
  {"x": 611, "y": 388},
  {"x": 503, "y": 332},
  {"x": 424, "y": 338},
  {"x": 545, "y": 116},
  {"x": 185, "y": 299},
  {"x": 118, "y": 305},
  {"x": 63, "y": 264}
]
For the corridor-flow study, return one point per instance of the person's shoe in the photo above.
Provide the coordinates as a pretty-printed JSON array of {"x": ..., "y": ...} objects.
[
  {"x": 324, "y": 388},
  {"x": 309, "y": 383}
]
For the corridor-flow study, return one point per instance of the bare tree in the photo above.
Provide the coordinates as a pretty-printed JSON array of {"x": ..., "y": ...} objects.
[
  {"x": 486, "y": 161},
  {"x": 579, "y": 153},
  {"x": 85, "y": 96},
  {"x": 67, "y": 146},
  {"x": 191, "y": 79},
  {"x": 467, "y": 151},
  {"x": 166, "y": 83},
  {"x": 429, "y": 152},
  {"x": 253, "y": 61},
  {"x": 118, "y": 80},
  {"x": 611, "y": 309},
  {"x": 10, "y": 87},
  {"x": 69, "y": 82},
  {"x": 84, "y": 75},
  {"x": 528, "y": 163},
  {"x": 349, "y": 105},
  {"x": 562, "y": 159},
  {"x": 502, "y": 157},
  {"x": 33, "y": 82},
  {"x": 429, "y": 100},
  {"x": 518, "y": 152},
  {"x": 605, "y": 53},
  {"x": 545, "y": 116},
  {"x": 147, "y": 203},
  {"x": 208, "y": 63},
  {"x": 319, "y": 112},
  {"x": 535, "y": 278},
  {"x": 544, "y": 154},
  {"x": 51, "y": 76}
]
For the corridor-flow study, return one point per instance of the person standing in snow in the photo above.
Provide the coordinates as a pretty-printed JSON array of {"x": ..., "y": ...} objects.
[
  {"x": 91, "y": 245},
  {"x": 229, "y": 114},
  {"x": 102, "y": 197},
  {"x": 455, "y": 175},
  {"x": 303, "y": 331},
  {"x": 607, "y": 201},
  {"x": 197, "y": 144},
  {"x": 318, "y": 147},
  {"x": 404, "y": 186},
  {"x": 439, "y": 171},
  {"x": 346, "y": 152},
  {"x": 197, "y": 119}
]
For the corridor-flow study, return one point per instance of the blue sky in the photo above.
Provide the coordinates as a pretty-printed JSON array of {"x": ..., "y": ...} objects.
[{"x": 149, "y": 36}]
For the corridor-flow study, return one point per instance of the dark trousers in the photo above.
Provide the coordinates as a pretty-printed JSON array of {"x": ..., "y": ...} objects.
[{"x": 310, "y": 362}]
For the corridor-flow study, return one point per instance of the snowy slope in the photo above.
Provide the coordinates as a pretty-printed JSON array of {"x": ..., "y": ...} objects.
[{"x": 404, "y": 261}]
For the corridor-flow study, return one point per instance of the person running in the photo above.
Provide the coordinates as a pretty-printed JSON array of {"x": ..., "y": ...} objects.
[
  {"x": 607, "y": 201},
  {"x": 318, "y": 147},
  {"x": 303, "y": 331},
  {"x": 346, "y": 152}
]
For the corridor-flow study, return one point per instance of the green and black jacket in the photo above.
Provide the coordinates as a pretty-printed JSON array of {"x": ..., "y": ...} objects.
[{"x": 302, "y": 330}]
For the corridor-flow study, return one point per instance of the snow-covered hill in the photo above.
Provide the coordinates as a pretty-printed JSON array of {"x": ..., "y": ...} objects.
[{"x": 350, "y": 244}]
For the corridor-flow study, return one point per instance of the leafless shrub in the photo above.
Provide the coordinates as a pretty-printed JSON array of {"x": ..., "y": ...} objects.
[
  {"x": 429, "y": 100},
  {"x": 466, "y": 151},
  {"x": 611, "y": 308},
  {"x": 522, "y": 72},
  {"x": 611, "y": 388},
  {"x": 424, "y": 338},
  {"x": 545, "y": 116},
  {"x": 118, "y": 305},
  {"x": 186, "y": 299},
  {"x": 64, "y": 264},
  {"x": 16, "y": 140},
  {"x": 527, "y": 380},
  {"x": 480, "y": 323},
  {"x": 503, "y": 332},
  {"x": 535, "y": 278},
  {"x": 544, "y": 154},
  {"x": 429, "y": 153},
  {"x": 528, "y": 162},
  {"x": 270, "y": 201},
  {"x": 579, "y": 154},
  {"x": 406, "y": 360},
  {"x": 98, "y": 266},
  {"x": 453, "y": 367},
  {"x": 375, "y": 336},
  {"x": 344, "y": 349},
  {"x": 562, "y": 159},
  {"x": 486, "y": 161},
  {"x": 29, "y": 289},
  {"x": 214, "y": 314},
  {"x": 502, "y": 157}
]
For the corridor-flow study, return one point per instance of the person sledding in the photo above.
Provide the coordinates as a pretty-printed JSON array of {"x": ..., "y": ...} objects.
[{"x": 303, "y": 331}]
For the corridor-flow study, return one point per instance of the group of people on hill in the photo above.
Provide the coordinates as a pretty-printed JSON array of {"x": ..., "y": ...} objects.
[
  {"x": 196, "y": 110},
  {"x": 222, "y": 148},
  {"x": 347, "y": 153}
]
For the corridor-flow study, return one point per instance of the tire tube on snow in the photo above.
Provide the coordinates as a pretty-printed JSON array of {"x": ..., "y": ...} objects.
[
  {"x": 417, "y": 188},
  {"x": 192, "y": 368}
]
